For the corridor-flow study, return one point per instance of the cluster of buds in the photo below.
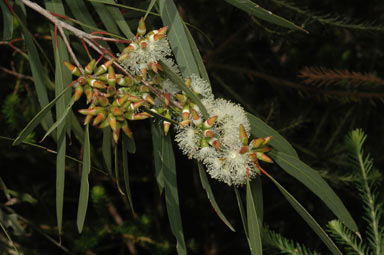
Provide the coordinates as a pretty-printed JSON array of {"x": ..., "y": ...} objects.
[
  {"x": 145, "y": 50},
  {"x": 219, "y": 140},
  {"x": 112, "y": 98}
]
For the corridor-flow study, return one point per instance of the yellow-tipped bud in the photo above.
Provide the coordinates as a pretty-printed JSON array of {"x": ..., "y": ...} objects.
[
  {"x": 141, "y": 29},
  {"x": 99, "y": 118},
  {"x": 88, "y": 93},
  {"x": 90, "y": 67},
  {"x": 111, "y": 76},
  {"x": 184, "y": 123},
  {"x": 115, "y": 135},
  {"x": 78, "y": 92},
  {"x": 264, "y": 157},
  {"x": 126, "y": 129},
  {"x": 112, "y": 121},
  {"x": 209, "y": 122},
  {"x": 116, "y": 111},
  {"x": 104, "y": 67},
  {"x": 73, "y": 69},
  {"x": 243, "y": 135},
  {"x": 255, "y": 143},
  {"x": 87, "y": 119}
]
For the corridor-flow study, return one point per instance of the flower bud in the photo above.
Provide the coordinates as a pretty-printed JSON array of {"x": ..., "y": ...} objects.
[
  {"x": 90, "y": 67},
  {"x": 208, "y": 133},
  {"x": 141, "y": 29},
  {"x": 112, "y": 121},
  {"x": 244, "y": 149},
  {"x": 209, "y": 122},
  {"x": 184, "y": 123},
  {"x": 255, "y": 143},
  {"x": 196, "y": 118},
  {"x": 186, "y": 112},
  {"x": 96, "y": 84},
  {"x": 264, "y": 157},
  {"x": 82, "y": 80},
  {"x": 147, "y": 97},
  {"x": 87, "y": 119},
  {"x": 204, "y": 143},
  {"x": 126, "y": 129},
  {"x": 116, "y": 111},
  {"x": 102, "y": 100},
  {"x": 73, "y": 69},
  {"x": 88, "y": 93},
  {"x": 99, "y": 118},
  {"x": 104, "y": 67},
  {"x": 78, "y": 92},
  {"x": 243, "y": 135},
  {"x": 111, "y": 76},
  {"x": 116, "y": 134},
  {"x": 214, "y": 143},
  {"x": 153, "y": 66}
]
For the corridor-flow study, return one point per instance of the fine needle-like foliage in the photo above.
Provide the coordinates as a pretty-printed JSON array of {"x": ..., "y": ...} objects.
[{"x": 363, "y": 167}]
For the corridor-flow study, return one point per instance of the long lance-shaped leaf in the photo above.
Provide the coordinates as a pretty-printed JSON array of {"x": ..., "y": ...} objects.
[
  {"x": 80, "y": 11},
  {"x": 37, "y": 119},
  {"x": 313, "y": 181},
  {"x": 307, "y": 217},
  {"x": 158, "y": 155},
  {"x": 84, "y": 186},
  {"x": 119, "y": 19},
  {"x": 36, "y": 69},
  {"x": 61, "y": 118},
  {"x": 253, "y": 224},
  {"x": 242, "y": 213},
  {"x": 196, "y": 54},
  {"x": 257, "y": 193},
  {"x": 150, "y": 6},
  {"x": 3, "y": 187},
  {"x": 117, "y": 173},
  {"x": 125, "y": 172},
  {"x": 7, "y": 21},
  {"x": 211, "y": 197},
  {"x": 178, "y": 38},
  {"x": 261, "y": 13},
  {"x": 106, "y": 148},
  {"x": 171, "y": 194},
  {"x": 62, "y": 77},
  {"x": 177, "y": 80},
  {"x": 260, "y": 129}
]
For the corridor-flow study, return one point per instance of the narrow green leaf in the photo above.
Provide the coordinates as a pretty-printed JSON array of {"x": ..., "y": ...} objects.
[
  {"x": 76, "y": 128},
  {"x": 61, "y": 118},
  {"x": 171, "y": 194},
  {"x": 308, "y": 218},
  {"x": 178, "y": 38},
  {"x": 119, "y": 19},
  {"x": 242, "y": 213},
  {"x": 261, "y": 13},
  {"x": 125, "y": 171},
  {"x": 253, "y": 224},
  {"x": 106, "y": 149},
  {"x": 260, "y": 129},
  {"x": 131, "y": 145},
  {"x": 257, "y": 194},
  {"x": 84, "y": 186},
  {"x": 177, "y": 80},
  {"x": 196, "y": 54},
  {"x": 38, "y": 72},
  {"x": 62, "y": 78},
  {"x": 80, "y": 11},
  {"x": 211, "y": 197},
  {"x": 158, "y": 155},
  {"x": 313, "y": 181},
  {"x": 117, "y": 174},
  {"x": 3, "y": 187},
  {"x": 108, "y": 21},
  {"x": 123, "y": 6},
  {"x": 7, "y": 21},
  {"x": 150, "y": 6},
  {"x": 37, "y": 118}
]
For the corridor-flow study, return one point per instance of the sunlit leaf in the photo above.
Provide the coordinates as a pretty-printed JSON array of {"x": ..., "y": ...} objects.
[
  {"x": 261, "y": 13},
  {"x": 313, "y": 181},
  {"x": 84, "y": 186},
  {"x": 207, "y": 186}
]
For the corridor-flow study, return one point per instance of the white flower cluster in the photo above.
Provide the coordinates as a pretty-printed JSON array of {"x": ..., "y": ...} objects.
[{"x": 224, "y": 161}]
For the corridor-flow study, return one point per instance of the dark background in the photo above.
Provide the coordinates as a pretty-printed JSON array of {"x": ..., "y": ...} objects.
[{"x": 249, "y": 61}]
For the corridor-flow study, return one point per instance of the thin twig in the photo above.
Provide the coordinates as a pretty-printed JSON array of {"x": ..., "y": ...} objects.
[{"x": 16, "y": 74}]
